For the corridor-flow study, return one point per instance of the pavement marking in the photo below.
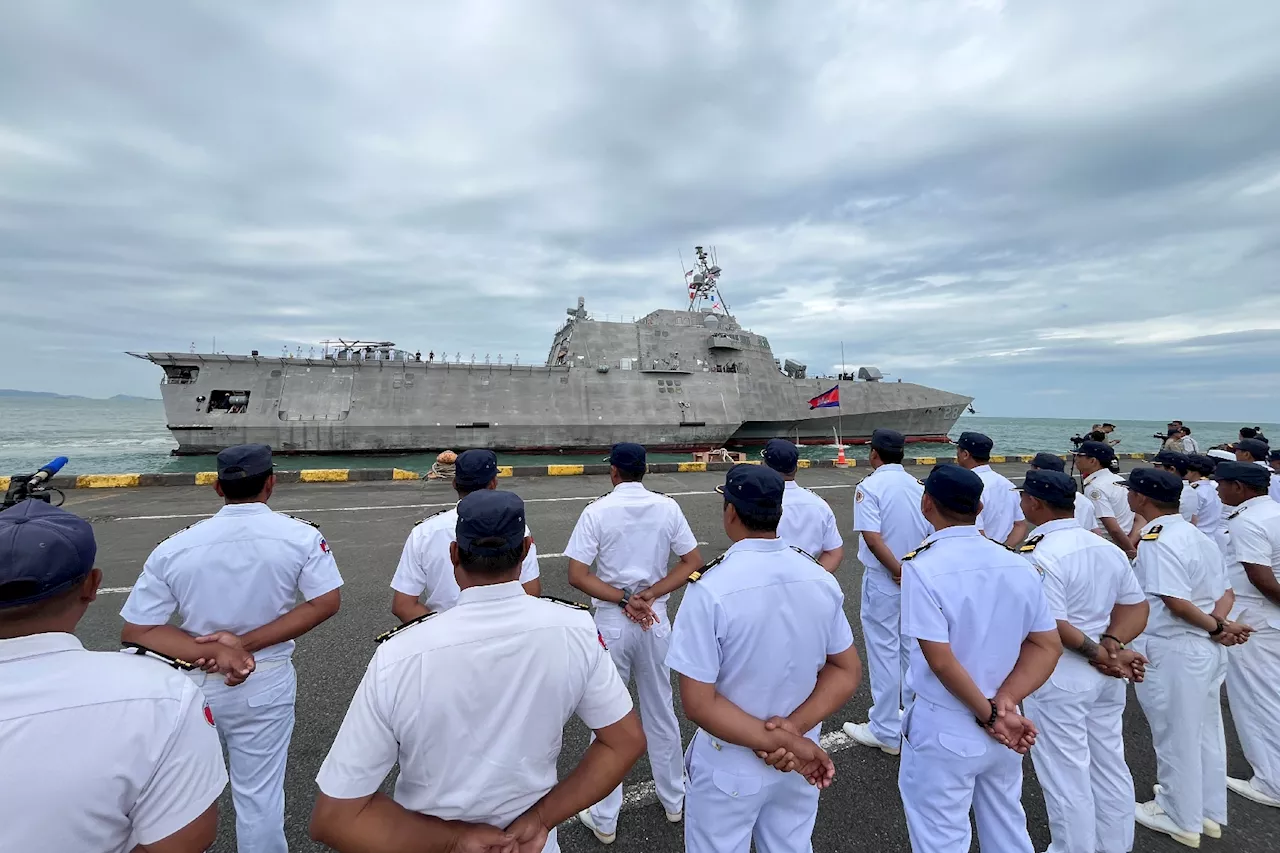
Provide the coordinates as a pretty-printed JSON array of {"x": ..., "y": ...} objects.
[{"x": 645, "y": 793}]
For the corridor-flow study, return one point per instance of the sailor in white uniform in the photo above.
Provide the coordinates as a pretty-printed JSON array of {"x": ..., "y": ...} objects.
[
  {"x": 1001, "y": 517},
  {"x": 472, "y": 703},
  {"x": 1084, "y": 513},
  {"x": 234, "y": 579},
  {"x": 765, "y": 654},
  {"x": 424, "y": 563},
  {"x": 986, "y": 640},
  {"x": 886, "y": 516},
  {"x": 1253, "y": 669},
  {"x": 1106, "y": 490},
  {"x": 101, "y": 751},
  {"x": 1253, "y": 450},
  {"x": 1211, "y": 520},
  {"x": 631, "y": 534},
  {"x": 1079, "y": 711},
  {"x": 1179, "y": 464},
  {"x": 1185, "y": 579},
  {"x": 1273, "y": 461},
  {"x": 807, "y": 520}
]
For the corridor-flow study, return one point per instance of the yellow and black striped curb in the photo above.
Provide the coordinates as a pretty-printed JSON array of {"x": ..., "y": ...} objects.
[{"x": 366, "y": 475}]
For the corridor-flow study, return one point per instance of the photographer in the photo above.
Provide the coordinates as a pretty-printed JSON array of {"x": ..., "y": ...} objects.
[{"x": 1172, "y": 439}]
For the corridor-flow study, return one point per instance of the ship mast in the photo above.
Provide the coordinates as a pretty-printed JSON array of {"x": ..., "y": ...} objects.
[{"x": 703, "y": 281}]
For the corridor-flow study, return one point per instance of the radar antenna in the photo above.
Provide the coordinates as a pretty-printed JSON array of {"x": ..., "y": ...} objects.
[{"x": 704, "y": 282}]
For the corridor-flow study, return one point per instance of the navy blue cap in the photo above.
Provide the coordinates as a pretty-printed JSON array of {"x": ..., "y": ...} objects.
[
  {"x": 1244, "y": 472},
  {"x": 474, "y": 469},
  {"x": 781, "y": 455},
  {"x": 1054, "y": 487},
  {"x": 43, "y": 551},
  {"x": 1155, "y": 483},
  {"x": 1274, "y": 456},
  {"x": 244, "y": 460},
  {"x": 958, "y": 489},
  {"x": 490, "y": 514},
  {"x": 753, "y": 489},
  {"x": 888, "y": 439},
  {"x": 976, "y": 443},
  {"x": 1099, "y": 450},
  {"x": 1173, "y": 459},
  {"x": 628, "y": 457},
  {"x": 1201, "y": 462},
  {"x": 1048, "y": 462},
  {"x": 1254, "y": 447}
]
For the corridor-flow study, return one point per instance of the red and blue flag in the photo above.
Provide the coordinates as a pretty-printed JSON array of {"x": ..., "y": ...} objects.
[{"x": 826, "y": 399}]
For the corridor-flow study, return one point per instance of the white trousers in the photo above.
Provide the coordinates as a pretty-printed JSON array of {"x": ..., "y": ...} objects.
[
  {"x": 1079, "y": 760},
  {"x": 1253, "y": 688},
  {"x": 888, "y": 656},
  {"x": 1182, "y": 699},
  {"x": 949, "y": 765},
  {"x": 729, "y": 805},
  {"x": 255, "y": 722},
  {"x": 642, "y": 655}
]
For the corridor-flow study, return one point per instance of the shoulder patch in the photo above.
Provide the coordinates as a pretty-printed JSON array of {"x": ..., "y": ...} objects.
[
  {"x": 858, "y": 496},
  {"x": 303, "y": 520},
  {"x": 387, "y": 635},
  {"x": 696, "y": 576},
  {"x": 176, "y": 663},
  {"x": 803, "y": 551},
  {"x": 1095, "y": 494},
  {"x": 1153, "y": 534},
  {"x": 1030, "y": 545},
  {"x": 424, "y": 518},
  {"x": 924, "y": 546},
  {"x": 576, "y": 605}
]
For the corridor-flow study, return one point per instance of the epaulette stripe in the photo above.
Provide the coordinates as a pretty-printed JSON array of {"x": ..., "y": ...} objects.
[
  {"x": 176, "y": 532},
  {"x": 803, "y": 551},
  {"x": 303, "y": 520},
  {"x": 1153, "y": 534},
  {"x": 924, "y": 546},
  {"x": 433, "y": 515},
  {"x": 576, "y": 605},
  {"x": 176, "y": 663},
  {"x": 387, "y": 635},
  {"x": 693, "y": 578},
  {"x": 1030, "y": 545}
]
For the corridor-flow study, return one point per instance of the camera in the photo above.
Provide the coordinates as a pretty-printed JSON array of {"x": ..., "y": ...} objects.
[
  {"x": 31, "y": 487},
  {"x": 1077, "y": 440}
]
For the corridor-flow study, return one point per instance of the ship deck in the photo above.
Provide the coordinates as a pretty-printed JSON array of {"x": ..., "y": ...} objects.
[{"x": 366, "y": 524}]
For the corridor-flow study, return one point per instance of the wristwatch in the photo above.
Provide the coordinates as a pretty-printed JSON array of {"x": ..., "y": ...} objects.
[{"x": 626, "y": 596}]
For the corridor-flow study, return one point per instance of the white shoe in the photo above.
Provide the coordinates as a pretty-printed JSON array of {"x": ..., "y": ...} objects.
[
  {"x": 1153, "y": 817},
  {"x": 861, "y": 733},
  {"x": 1244, "y": 787},
  {"x": 1212, "y": 828},
  {"x": 675, "y": 817},
  {"x": 603, "y": 838}
]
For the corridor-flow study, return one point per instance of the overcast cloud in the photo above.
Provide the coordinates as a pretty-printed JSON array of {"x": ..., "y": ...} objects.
[{"x": 1061, "y": 209}]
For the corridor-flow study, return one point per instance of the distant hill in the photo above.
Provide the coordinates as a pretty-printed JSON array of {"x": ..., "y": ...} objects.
[
  {"x": 49, "y": 395},
  {"x": 130, "y": 398}
]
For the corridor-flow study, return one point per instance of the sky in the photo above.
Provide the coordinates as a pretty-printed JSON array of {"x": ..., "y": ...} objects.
[{"x": 1060, "y": 209}]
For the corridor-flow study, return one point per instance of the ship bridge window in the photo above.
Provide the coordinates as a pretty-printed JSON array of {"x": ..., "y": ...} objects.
[
  {"x": 231, "y": 402},
  {"x": 178, "y": 375}
]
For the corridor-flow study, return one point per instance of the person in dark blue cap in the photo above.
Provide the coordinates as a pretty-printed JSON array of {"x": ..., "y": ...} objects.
[
  {"x": 1001, "y": 517},
  {"x": 1253, "y": 450},
  {"x": 1079, "y": 711},
  {"x": 1105, "y": 489},
  {"x": 1084, "y": 513},
  {"x": 471, "y": 703},
  {"x": 1185, "y": 580},
  {"x": 101, "y": 751},
  {"x": 985, "y": 641},
  {"x": 886, "y": 515},
  {"x": 807, "y": 520},
  {"x": 1179, "y": 465},
  {"x": 631, "y": 534},
  {"x": 1210, "y": 519},
  {"x": 424, "y": 568},
  {"x": 235, "y": 580},
  {"x": 765, "y": 653}
]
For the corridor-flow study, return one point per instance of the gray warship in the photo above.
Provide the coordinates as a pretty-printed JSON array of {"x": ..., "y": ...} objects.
[{"x": 673, "y": 380}]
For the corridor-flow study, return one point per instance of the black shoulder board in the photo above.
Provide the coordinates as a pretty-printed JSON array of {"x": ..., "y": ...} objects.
[
  {"x": 576, "y": 605},
  {"x": 593, "y": 500},
  {"x": 1229, "y": 517},
  {"x": 176, "y": 532},
  {"x": 803, "y": 551},
  {"x": 1196, "y": 484},
  {"x": 1153, "y": 534},
  {"x": 433, "y": 515},
  {"x": 693, "y": 578},
  {"x": 303, "y": 520},
  {"x": 1030, "y": 545},
  {"x": 912, "y": 554},
  {"x": 387, "y": 635},
  {"x": 136, "y": 649}
]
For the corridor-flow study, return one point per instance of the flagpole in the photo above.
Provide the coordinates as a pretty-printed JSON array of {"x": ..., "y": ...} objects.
[{"x": 840, "y": 405}]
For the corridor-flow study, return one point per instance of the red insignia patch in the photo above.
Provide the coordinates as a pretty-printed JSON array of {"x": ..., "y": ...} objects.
[
  {"x": 324, "y": 546},
  {"x": 208, "y": 716},
  {"x": 600, "y": 637}
]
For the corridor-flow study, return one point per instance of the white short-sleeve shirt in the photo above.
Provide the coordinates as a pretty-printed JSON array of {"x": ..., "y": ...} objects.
[
  {"x": 807, "y": 521},
  {"x": 1180, "y": 562},
  {"x": 759, "y": 624},
  {"x": 1001, "y": 504},
  {"x": 630, "y": 534},
  {"x": 1210, "y": 517},
  {"x": 1110, "y": 498},
  {"x": 1085, "y": 516},
  {"x": 1084, "y": 577},
  {"x": 425, "y": 565},
  {"x": 1187, "y": 502},
  {"x": 1275, "y": 487},
  {"x": 472, "y": 702},
  {"x": 236, "y": 571},
  {"x": 963, "y": 589},
  {"x": 100, "y": 751},
  {"x": 1255, "y": 538},
  {"x": 888, "y": 502}
]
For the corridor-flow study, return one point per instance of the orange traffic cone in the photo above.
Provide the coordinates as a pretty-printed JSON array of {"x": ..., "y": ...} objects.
[{"x": 840, "y": 460}]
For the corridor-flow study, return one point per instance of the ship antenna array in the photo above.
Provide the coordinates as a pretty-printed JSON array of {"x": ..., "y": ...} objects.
[{"x": 704, "y": 281}]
